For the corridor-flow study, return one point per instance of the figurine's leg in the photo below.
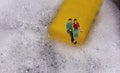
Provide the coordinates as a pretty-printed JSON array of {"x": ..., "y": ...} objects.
[
  {"x": 71, "y": 35},
  {"x": 75, "y": 36}
]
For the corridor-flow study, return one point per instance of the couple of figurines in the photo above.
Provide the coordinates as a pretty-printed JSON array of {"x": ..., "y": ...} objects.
[{"x": 73, "y": 30}]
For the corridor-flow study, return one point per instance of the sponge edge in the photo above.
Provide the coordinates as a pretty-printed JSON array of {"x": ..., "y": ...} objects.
[{"x": 83, "y": 10}]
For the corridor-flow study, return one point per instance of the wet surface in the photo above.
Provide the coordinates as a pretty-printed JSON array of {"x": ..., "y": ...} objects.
[
  {"x": 117, "y": 2},
  {"x": 25, "y": 48}
]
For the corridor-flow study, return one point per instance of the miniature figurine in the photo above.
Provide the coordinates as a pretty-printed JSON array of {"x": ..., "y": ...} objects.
[
  {"x": 76, "y": 30},
  {"x": 70, "y": 29}
]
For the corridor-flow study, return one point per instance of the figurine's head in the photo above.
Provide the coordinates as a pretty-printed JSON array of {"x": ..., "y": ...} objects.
[
  {"x": 70, "y": 20},
  {"x": 75, "y": 20}
]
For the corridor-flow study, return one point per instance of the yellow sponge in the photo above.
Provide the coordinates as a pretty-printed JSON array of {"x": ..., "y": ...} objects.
[{"x": 83, "y": 10}]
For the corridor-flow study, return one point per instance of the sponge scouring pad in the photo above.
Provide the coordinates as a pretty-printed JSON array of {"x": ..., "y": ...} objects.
[{"x": 84, "y": 11}]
